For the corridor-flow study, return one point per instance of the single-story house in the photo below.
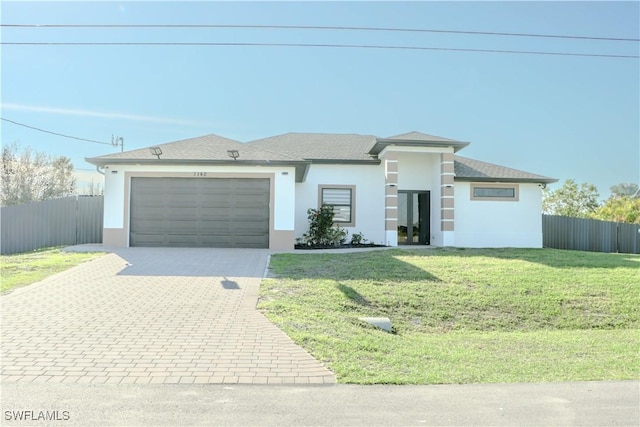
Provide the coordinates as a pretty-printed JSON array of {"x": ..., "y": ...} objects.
[{"x": 406, "y": 189}]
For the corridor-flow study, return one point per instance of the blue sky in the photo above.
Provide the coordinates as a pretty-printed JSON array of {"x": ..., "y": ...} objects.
[{"x": 560, "y": 116}]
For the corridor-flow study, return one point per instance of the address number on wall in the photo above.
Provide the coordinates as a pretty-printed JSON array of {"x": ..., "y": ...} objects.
[{"x": 199, "y": 174}]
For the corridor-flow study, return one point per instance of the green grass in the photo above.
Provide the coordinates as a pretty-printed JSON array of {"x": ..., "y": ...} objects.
[
  {"x": 30, "y": 267},
  {"x": 462, "y": 316}
]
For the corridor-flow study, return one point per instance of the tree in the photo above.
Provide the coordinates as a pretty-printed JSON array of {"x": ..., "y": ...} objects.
[
  {"x": 29, "y": 176},
  {"x": 625, "y": 190},
  {"x": 63, "y": 180},
  {"x": 571, "y": 200},
  {"x": 619, "y": 209}
]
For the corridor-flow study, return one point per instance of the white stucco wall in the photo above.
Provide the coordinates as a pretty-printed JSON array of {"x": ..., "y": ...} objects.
[
  {"x": 369, "y": 181},
  {"x": 482, "y": 224},
  {"x": 284, "y": 200},
  {"x": 283, "y": 211},
  {"x": 113, "y": 198},
  {"x": 417, "y": 171}
]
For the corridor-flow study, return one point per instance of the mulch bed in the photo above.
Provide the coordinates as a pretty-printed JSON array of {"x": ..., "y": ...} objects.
[{"x": 312, "y": 247}]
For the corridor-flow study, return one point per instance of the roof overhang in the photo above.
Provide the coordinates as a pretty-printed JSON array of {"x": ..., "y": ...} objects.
[
  {"x": 541, "y": 180},
  {"x": 382, "y": 143},
  {"x": 344, "y": 161},
  {"x": 301, "y": 167}
]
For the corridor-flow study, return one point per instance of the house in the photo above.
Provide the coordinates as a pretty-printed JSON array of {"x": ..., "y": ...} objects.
[{"x": 406, "y": 189}]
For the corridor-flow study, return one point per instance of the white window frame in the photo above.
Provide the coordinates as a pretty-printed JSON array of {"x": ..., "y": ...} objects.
[
  {"x": 352, "y": 206},
  {"x": 510, "y": 186}
]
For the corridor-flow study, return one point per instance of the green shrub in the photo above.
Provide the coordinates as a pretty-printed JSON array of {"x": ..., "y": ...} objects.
[
  {"x": 358, "y": 239},
  {"x": 337, "y": 235},
  {"x": 322, "y": 232}
]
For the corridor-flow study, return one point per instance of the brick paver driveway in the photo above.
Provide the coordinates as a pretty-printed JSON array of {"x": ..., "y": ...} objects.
[{"x": 151, "y": 315}]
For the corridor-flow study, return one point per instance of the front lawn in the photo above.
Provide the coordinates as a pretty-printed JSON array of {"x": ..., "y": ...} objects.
[
  {"x": 462, "y": 316},
  {"x": 30, "y": 267}
]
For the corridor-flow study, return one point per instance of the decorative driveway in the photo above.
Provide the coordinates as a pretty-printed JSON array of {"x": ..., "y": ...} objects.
[{"x": 152, "y": 315}]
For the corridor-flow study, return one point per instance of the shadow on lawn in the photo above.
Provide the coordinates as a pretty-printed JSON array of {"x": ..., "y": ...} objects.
[
  {"x": 555, "y": 258},
  {"x": 353, "y": 295},
  {"x": 383, "y": 266},
  {"x": 389, "y": 265}
]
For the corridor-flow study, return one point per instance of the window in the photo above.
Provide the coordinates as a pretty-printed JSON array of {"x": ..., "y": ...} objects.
[
  {"x": 505, "y": 192},
  {"x": 341, "y": 198},
  {"x": 494, "y": 192}
]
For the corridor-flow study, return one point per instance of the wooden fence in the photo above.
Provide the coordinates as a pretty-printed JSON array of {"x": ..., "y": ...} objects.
[
  {"x": 67, "y": 221},
  {"x": 562, "y": 232}
]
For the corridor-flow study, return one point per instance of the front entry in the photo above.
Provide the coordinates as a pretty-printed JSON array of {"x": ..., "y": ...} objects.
[{"x": 413, "y": 217}]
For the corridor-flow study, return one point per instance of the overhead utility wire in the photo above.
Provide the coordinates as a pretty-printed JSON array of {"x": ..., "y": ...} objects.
[
  {"x": 352, "y": 46},
  {"x": 54, "y": 133},
  {"x": 318, "y": 27}
]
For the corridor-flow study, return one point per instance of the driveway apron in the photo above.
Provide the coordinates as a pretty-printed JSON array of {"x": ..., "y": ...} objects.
[{"x": 152, "y": 315}]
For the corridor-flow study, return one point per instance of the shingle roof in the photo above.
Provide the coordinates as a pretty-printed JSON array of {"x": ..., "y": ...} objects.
[
  {"x": 320, "y": 146},
  {"x": 474, "y": 170},
  {"x": 419, "y": 136},
  {"x": 208, "y": 147},
  {"x": 301, "y": 148},
  {"x": 415, "y": 139}
]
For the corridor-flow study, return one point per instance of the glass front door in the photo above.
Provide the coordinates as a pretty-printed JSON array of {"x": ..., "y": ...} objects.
[{"x": 413, "y": 217}]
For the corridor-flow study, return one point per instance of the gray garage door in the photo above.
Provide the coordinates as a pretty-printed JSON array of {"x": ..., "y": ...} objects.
[{"x": 200, "y": 212}]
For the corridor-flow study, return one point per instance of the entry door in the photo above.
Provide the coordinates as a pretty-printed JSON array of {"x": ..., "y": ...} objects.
[{"x": 413, "y": 217}]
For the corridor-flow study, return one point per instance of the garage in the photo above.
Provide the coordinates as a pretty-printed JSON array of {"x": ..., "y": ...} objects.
[{"x": 200, "y": 212}]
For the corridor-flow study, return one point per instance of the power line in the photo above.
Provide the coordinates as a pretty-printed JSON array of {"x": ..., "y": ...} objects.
[
  {"x": 349, "y": 46},
  {"x": 319, "y": 27},
  {"x": 54, "y": 133}
]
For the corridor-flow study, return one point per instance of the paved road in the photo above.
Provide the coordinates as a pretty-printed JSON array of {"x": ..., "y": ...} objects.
[
  {"x": 563, "y": 404},
  {"x": 151, "y": 315}
]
